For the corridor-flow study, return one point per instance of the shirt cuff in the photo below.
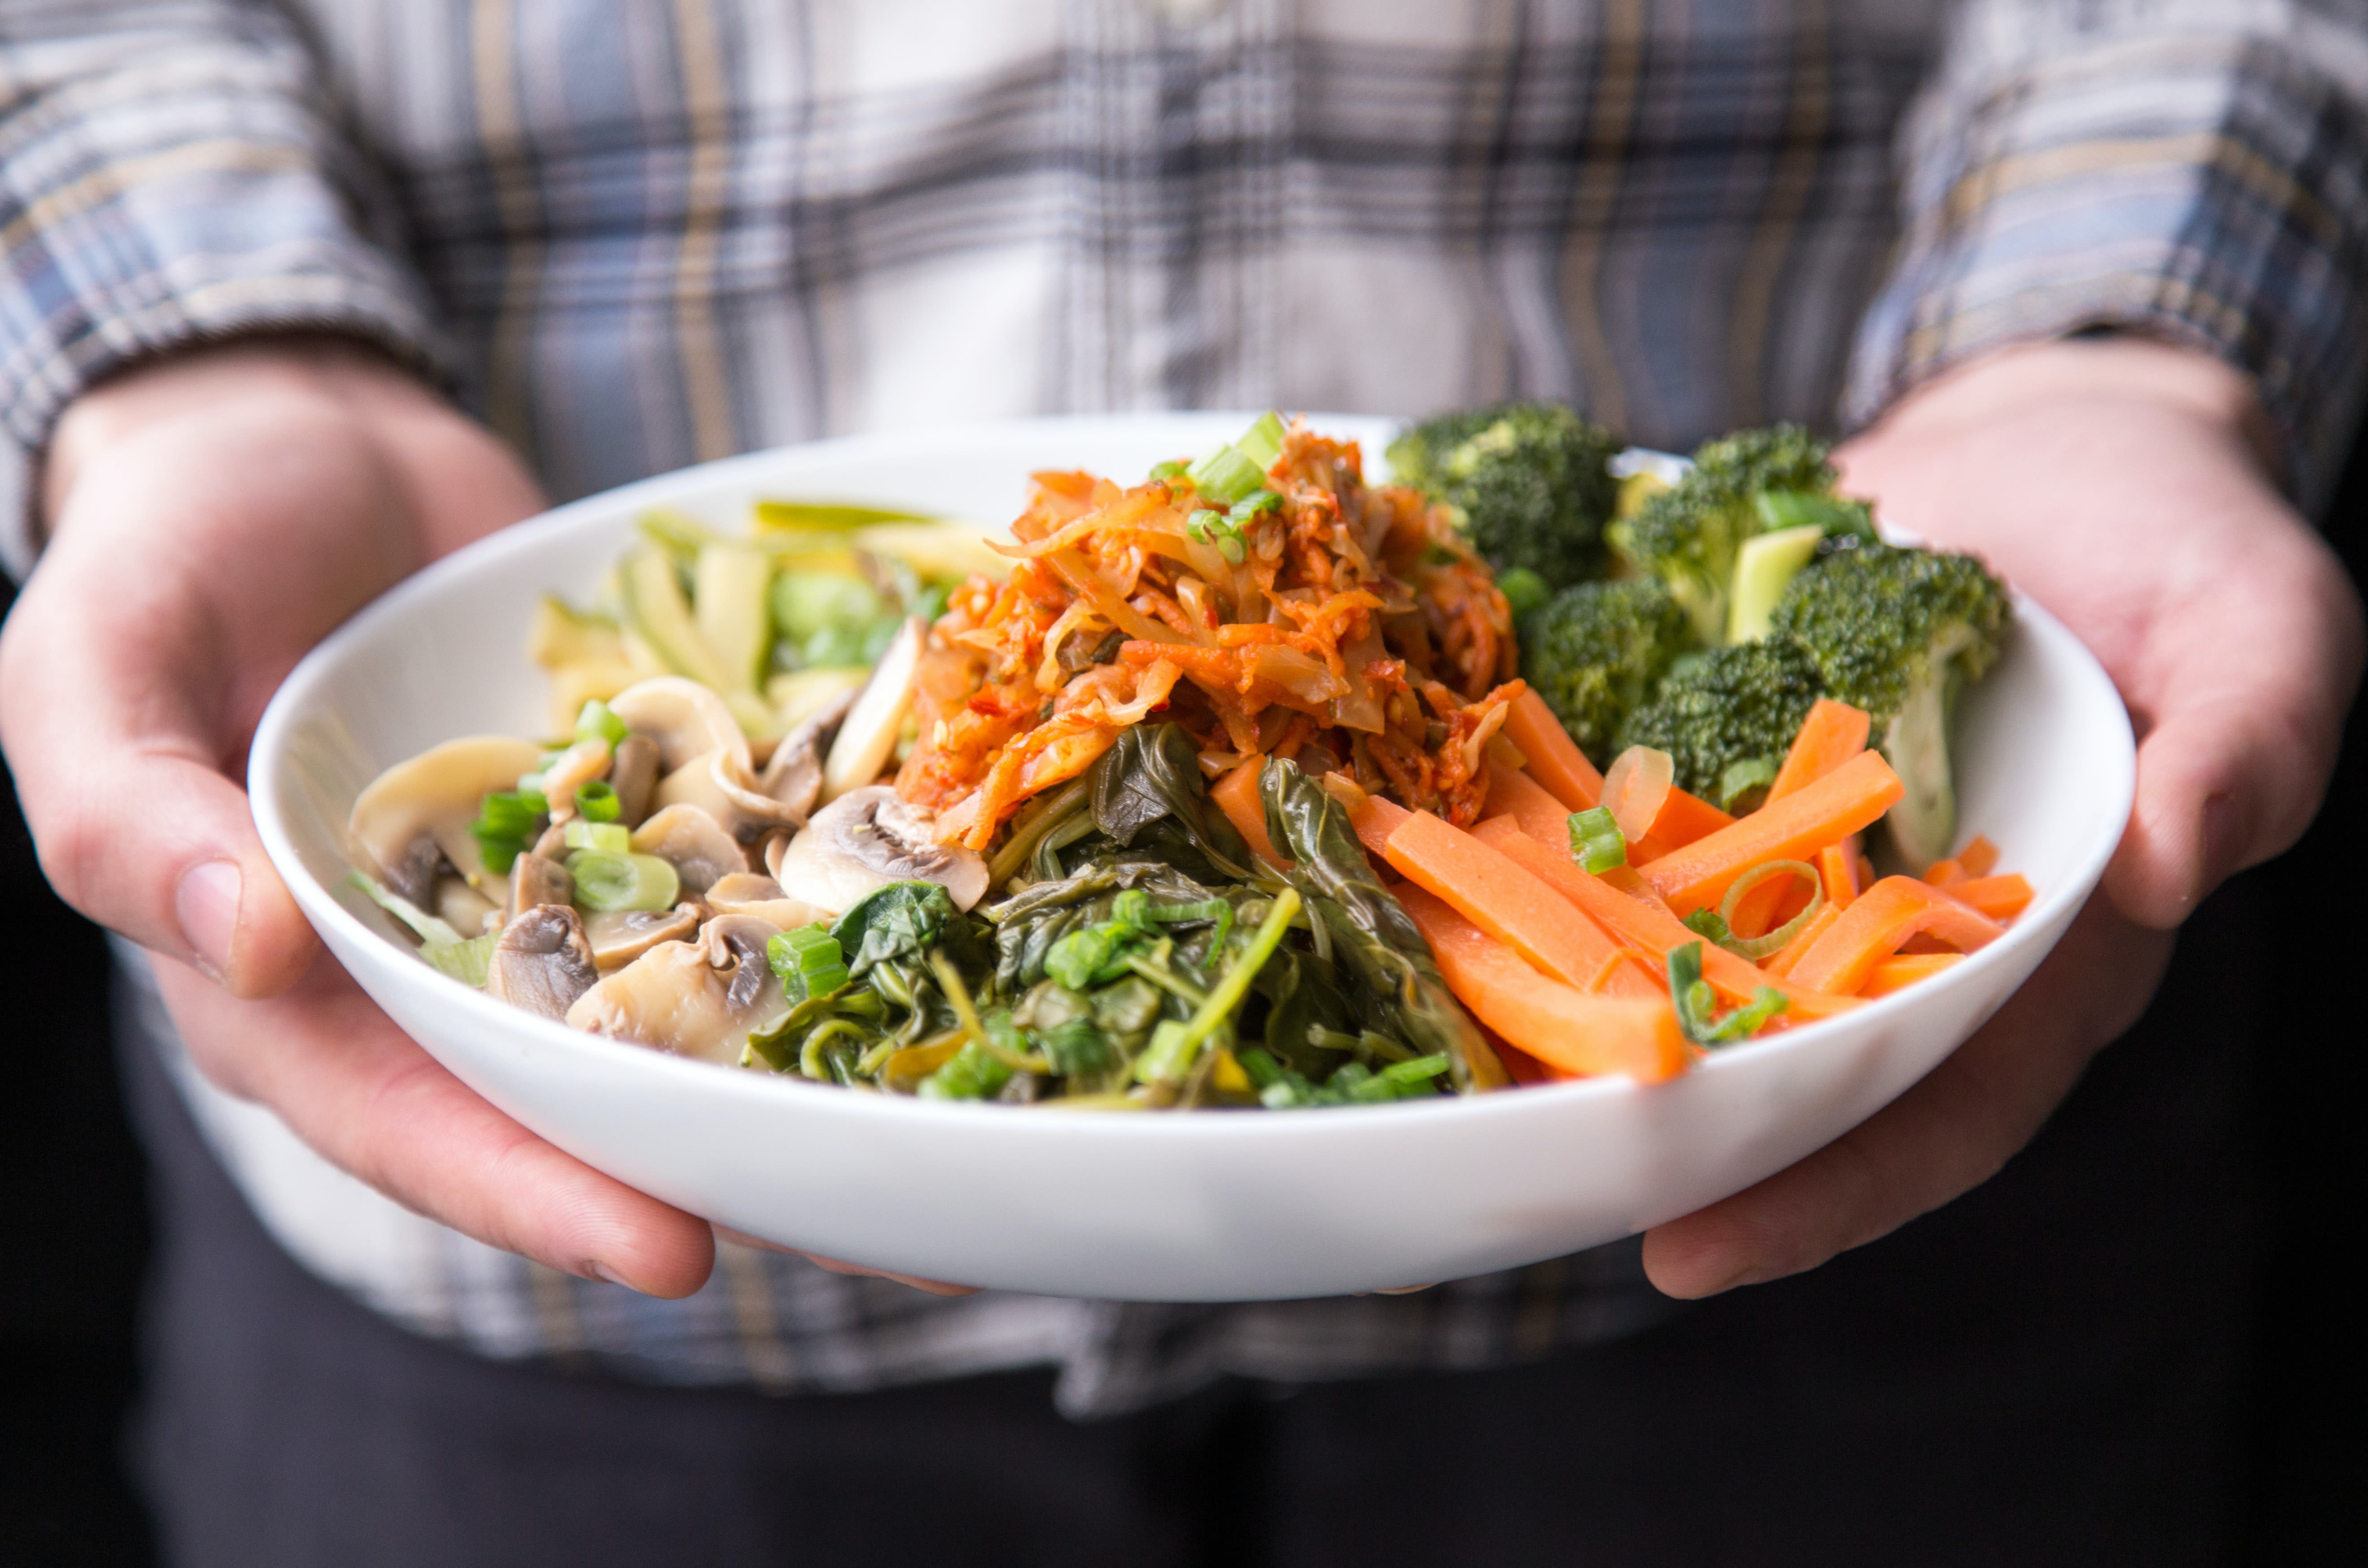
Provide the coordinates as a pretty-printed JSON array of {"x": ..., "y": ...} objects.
[
  {"x": 170, "y": 200},
  {"x": 2208, "y": 192}
]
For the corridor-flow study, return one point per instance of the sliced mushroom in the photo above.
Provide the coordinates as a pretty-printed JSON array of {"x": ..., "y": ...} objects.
[
  {"x": 620, "y": 935},
  {"x": 694, "y": 999},
  {"x": 869, "y": 733},
  {"x": 794, "y": 774},
  {"x": 537, "y": 879},
  {"x": 542, "y": 962},
  {"x": 867, "y": 839},
  {"x": 718, "y": 785},
  {"x": 693, "y": 843},
  {"x": 749, "y": 894},
  {"x": 633, "y": 774},
  {"x": 434, "y": 798},
  {"x": 464, "y": 908},
  {"x": 577, "y": 765},
  {"x": 682, "y": 717}
]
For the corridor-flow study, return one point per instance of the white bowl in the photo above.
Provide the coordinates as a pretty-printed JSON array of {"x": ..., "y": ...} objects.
[{"x": 1206, "y": 1207}]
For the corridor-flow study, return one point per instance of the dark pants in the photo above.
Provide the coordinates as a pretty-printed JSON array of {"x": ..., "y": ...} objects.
[{"x": 2043, "y": 1372}]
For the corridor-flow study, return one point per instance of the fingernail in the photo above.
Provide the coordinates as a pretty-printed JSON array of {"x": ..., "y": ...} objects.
[
  {"x": 207, "y": 906},
  {"x": 2220, "y": 844},
  {"x": 603, "y": 1271}
]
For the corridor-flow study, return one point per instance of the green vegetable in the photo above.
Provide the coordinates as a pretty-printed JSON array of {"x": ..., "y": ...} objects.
[
  {"x": 1170, "y": 471},
  {"x": 1527, "y": 483},
  {"x": 974, "y": 1074},
  {"x": 596, "y": 802},
  {"x": 729, "y": 588},
  {"x": 431, "y": 931},
  {"x": 1689, "y": 536},
  {"x": 1696, "y": 1002},
  {"x": 1727, "y": 716},
  {"x": 794, "y": 517},
  {"x": 1900, "y": 633},
  {"x": 1174, "y": 1046},
  {"x": 1596, "y": 840},
  {"x": 1763, "y": 567},
  {"x": 605, "y": 836},
  {"x": 809, "y": 961},
  {"x": 1226, "y": 476},
  {"x": 509, "y": 822},
  {"x": 468, "y": 962},
  {"x": 901, "y": 920},
  {"x": 607, "y": 882},
  {"x": 598, "y": 723},
  {"x": 1523, "y": 589},
  {"x": 656, "y": 612},
  {"x": 1262, "y": 443},
  {"x": 1097, "y": 954},
  {"x": 1593, "y": 652}
]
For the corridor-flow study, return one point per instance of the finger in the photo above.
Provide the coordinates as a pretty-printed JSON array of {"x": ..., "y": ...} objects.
[
  {"x": 1950, "y": 1133},
  {"x": 837, "y": 1266},
  {"x": 2238, "y": 748},
  {"x": 372, "y": 1103}
]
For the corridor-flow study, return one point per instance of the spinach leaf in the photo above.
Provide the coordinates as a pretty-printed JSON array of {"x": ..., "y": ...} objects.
[
  {"x": 1372, "y": 935},
  {"x": 900, "y": 920},
  {"x": 1154, "y": 773}
]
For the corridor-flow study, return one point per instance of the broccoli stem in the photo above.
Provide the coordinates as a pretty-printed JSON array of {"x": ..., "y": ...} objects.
[{"x": 1924, "y": 824}]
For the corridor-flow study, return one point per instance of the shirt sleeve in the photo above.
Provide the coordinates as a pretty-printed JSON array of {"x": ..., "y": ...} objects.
[
  {"x": 2193, "y": 170},
  {"x": 172, "y": 172}
]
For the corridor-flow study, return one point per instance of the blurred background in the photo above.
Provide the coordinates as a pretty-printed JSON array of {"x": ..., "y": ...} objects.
[{"x": 74, "y": 1236}]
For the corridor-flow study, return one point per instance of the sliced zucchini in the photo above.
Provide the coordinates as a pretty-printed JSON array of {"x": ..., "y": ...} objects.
[
  {"x": 657, "y": 614},
  {"x": 729, "y": 588}
]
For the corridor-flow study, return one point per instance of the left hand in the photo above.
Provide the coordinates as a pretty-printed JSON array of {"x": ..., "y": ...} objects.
[{"x": 2122, "y": 484}]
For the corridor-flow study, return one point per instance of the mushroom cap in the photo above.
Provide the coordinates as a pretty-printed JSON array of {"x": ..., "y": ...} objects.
[
  {"x": 618, "y": 936},
  {"x": 700, "y": 998},
  {"x": 690, "y": 840},
  {"x": 866, "y": 839},
  {"x": 718, "y": 785},
  {"x": 579, "y": 765},
  {"x": 745, "y": 892},
  {"x": 869, "y": 733},
  {"x": 436, "y": 795},
  {"x": 683, "y": 717},
  {"x": 794, "y": 774},
  {"x": 541, "y": 962}
]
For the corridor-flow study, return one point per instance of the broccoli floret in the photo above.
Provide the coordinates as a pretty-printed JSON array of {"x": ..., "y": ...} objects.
[
  {"x": 1593, "y": 650},
  {"x": 1727, "y": 716},
  {"x": 1899, "y": 632},
  {"x": 1687, "y": 536},
  {"x": 1527, "y": 483}
]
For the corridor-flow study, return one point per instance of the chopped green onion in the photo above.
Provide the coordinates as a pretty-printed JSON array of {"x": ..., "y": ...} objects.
[
  {"x": 468, "y": 962},
  {"x": 596, "y": 802},
  {"x": 1167, "y": 471},
  {"x": 507, "y": 823},
  {"x": 424, "y": 925},
  {"x": 809, "y": 960},
  {"x": 1697, "y": 1003},
  {"x": 1225, "y": 476},
  {"x": 971, "y": 1073},
  {"x": 609, "y": 838},
  {"x": 1255, "y": 504},
  {"x": 1596, "y": 840},
  {"x": 1174, "y": 1045},
  {"x": 606, "y": 881},
  {"x": 595, "y": 723},
  {"x": 1262, "y": 443},
  {"x": 1231, "y": 547},
  {"x": 1760, "y": 947},
  {"x": 1742, "y": 778}
]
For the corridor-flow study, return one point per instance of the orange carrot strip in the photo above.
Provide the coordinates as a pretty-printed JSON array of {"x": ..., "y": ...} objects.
[
  {"x": 1885, "y": 915},
  {"x": 1780, "y": 963},
  {"x": 1626, "y": 975},
  {"x": 1899, "y": 973},
  {"x": 1555, "y": 759},
  {"x": 1648, "y": 929},
  {"x": 1979, "y": 858},
  {"x": 1236, "y": 795},
  {"x": 1837, "y": 864},
  {"x": 1946, "y": 873},
  {"x": 1560, "y": 1025},
  {"x": 1832, "y": 734},
  {"x": 1519, "y": 1065},
  {"x": 2000, "y": 898},
  {"x": 1496, "y": 895},
  {"x": 1848, "y": 799},
  {"x": 1683, "y": 818},
  {"x": 1375, "y": 820},
  {"x": 1512, "y": 793}
]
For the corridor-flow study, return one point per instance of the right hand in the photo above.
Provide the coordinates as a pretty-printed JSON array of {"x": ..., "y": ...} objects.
[{"x": 212, "y": 515}]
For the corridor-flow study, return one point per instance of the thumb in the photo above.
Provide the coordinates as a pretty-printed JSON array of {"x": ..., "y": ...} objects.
[{"x": 114, "y": 712}]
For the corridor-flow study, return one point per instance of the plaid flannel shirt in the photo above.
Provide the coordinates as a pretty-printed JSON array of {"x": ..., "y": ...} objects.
[{"x": 634, "y": 236}]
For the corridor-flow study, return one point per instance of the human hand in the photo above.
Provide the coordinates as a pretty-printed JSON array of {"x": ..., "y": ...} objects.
[
  {"x": 2121, "y": 484},
  {"x": 213, "y": 516}
]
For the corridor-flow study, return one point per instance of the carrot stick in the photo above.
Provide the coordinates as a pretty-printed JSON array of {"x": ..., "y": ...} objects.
[
  {"x": 1780, "y": 963},
  {"x": 1837, "y": 864},
  {"x": 1979, "y": 858},
  {"x": 1899, "y": 973},
  {"x": 1519, "y": 1065},
  {"x": 1626, "y": 975},
  {"x": 1848, "y": 799},
  {"x": 2000, "y": 898},
  {"x": 1681, "y": 821},
  {"x": 1885, "y": 915},
  {"x": 1501, "y": 898},
  {"x": 1555, "y": 759},
  {"x": 1374, "y": 821},
  {"x": 1946, "y": 873},
  {"x": 1513, "y": 793},
  {"x": 1560, "y": 1025},
  {"x": 1236, "y": 795},
  {"x": 1832, "y": 734},
  {"x": 1648, "y": 929}
]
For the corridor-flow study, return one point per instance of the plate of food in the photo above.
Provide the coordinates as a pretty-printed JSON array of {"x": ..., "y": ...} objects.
[{"x": 1193, "y": 857}]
